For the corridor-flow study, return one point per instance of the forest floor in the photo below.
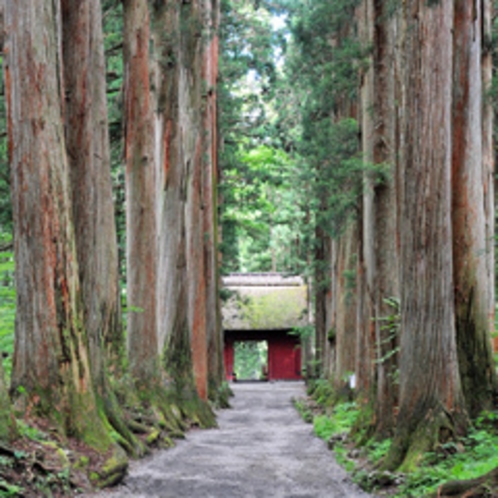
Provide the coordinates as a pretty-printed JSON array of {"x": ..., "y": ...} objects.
[{"x": 262, "y": 448}]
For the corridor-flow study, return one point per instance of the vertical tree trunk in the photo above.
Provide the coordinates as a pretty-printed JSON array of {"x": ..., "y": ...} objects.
[
  {"x": 140, "y": 197},
  {"x": 431, "y": 401},
  {"x": 87, "y": 142},
  {"x": 191, "y": 92},
  {"x": 366, "y": 260},
  {"x": 182, "y": 205},
  {"x": 488, "y": 162},
  {"x": 471, "y": 272},
  {"x": 321, "y": 290},
  {"x": 345, "y": 296},
  {"x": 51, "y": 358},
  {"x": 385, "y": 215},
  {"x": 216, "y": 375}
]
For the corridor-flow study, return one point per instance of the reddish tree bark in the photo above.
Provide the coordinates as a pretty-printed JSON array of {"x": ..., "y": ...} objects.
[
  {"x": 216, "y": 374},
  {"x": 140, "y": 197},
  {"x": 51, "y": 357},
  {"x": 471, "y": 272},
  {"x": 431, "y": 401},
  {"x": 185, "y": 158},
  {"x": 87, "y": 140}
]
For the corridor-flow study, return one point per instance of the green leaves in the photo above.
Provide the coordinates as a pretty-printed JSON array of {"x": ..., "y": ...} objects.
[{"x": 7, "y": 308}]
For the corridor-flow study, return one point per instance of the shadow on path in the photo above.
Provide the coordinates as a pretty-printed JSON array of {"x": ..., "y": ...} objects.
[{"x": 262, "y": 449}]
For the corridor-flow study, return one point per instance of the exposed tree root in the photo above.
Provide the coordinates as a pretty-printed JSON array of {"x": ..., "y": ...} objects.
[
  {"x": 410, "y": 444},
  {"x": 484, "y": 486}
]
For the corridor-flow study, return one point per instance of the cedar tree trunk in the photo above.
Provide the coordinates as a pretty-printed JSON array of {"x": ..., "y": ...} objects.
[
  {"x": 87, "y": 142},
  {"x": 431, "y": 401},
  {"x": 471, "y": 273},
  {"x": 140, "y": 197},
  {"x": 51, "y": 357}
]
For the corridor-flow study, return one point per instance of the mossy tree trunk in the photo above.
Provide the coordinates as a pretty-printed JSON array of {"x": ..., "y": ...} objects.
[
  {"x": 184, "y": 71},
  {"x": 432, "y": 407},
  {"x": 87, "y": 142},
  {"x": 51, "y": 357},
  {"x": 473, "y": 280}
]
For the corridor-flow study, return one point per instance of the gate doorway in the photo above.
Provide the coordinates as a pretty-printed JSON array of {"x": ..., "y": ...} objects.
[
  {"x": 283, "y": 354},
  {"x": 250, "y": 360}
]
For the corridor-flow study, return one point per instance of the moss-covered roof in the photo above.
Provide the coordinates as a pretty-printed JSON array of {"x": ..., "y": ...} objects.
[{"x": 264, "y": 302}]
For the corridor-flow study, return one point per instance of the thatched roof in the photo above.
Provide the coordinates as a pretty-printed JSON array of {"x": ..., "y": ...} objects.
[{"x": 264, "y": 301}]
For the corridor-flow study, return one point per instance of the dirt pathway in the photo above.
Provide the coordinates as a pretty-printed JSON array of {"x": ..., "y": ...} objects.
[{"x": 262, "y": 449}]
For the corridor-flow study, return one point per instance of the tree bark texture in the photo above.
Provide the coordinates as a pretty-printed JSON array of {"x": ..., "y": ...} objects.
[
  {"x": 488, "y": 154},
  {"x": 140, "y": 197},
  {"x": 185, "y": 126},
  {"x": 379, "y": 139},
  {"x": 51, "y": 357},
  {"x": 345, "y": 304},
  {"x": 216, "y": 371},
  {"x": 322, "y": 274},
  {"x": 471, "y": 273},
  {"x": 87, "y": 141},
  {"x": 431, "y": 400}
]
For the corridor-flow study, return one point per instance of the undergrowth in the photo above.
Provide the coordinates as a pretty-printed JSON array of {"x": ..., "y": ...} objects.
[
  {"x": 469, "y": 458},
  {"x": 7, "y": 307}
]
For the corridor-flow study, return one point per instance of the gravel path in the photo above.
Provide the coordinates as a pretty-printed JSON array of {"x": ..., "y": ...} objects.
[{"x": 262, "y": 449}]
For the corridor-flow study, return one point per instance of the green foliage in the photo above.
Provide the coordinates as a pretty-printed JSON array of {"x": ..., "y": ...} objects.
[
  {"x": 7, "y": 308},
  {"x": 30, "y": 432},
  {"x": 304, "y": 410},
  {"x": 113, "y": 45},
  {"x": 390, "y": 325},
  {"x": 322, "y": 392},
  {"x": 340, "y": 421},
  {"x": 305, "y": 332},
  {"x": 258, "y": 208},
  {"x": 251, "y": 360},
  {"x": 469, "y": 458},
  {"x": 473, "y": 458},
  {"x": 7, "y": 489}
]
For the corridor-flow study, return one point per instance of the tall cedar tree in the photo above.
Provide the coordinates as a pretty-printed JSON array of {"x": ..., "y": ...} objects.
[
  {"x": 140, "y": 198},
  {"x": 87, "y": 142},
  {"x": 473, "y": 280},
  {"x": 432, "y": 406}
]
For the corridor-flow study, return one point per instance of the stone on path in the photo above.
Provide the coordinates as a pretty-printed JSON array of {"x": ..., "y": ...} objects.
[{"x": 262, "y": 449}]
